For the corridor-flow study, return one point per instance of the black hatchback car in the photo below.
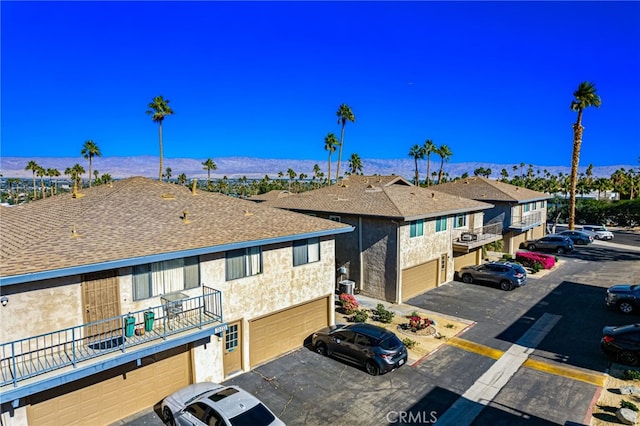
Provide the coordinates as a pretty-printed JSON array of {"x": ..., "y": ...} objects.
[
  {"x": 622, "y": 343},
  {"x": 376, "y": 349}
]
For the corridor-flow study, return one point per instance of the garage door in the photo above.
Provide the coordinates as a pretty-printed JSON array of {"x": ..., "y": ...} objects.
[
  {"x": 275, "y": 334},
  {"x": 464, "y": 260},
  {"x": 537, "y": 232},
  {"x": 418, "y": 279},
  {"x": 115, "y": 397}
]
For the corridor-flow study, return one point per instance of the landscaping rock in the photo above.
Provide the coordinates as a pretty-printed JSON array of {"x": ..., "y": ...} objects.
[
  {"x": 627, "y": 416},
  {"x": 629, "y": 390}
]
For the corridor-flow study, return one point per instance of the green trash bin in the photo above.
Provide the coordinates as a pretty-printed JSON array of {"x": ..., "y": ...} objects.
[
  {"x": 129, "y": 326},
  {"x": 148, "y": 320}
]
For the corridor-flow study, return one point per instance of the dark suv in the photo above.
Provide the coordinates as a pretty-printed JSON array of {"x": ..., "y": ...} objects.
[
  {"x": 508, "y": 275},
  {"x": 553, "y": 242},
  {"x": 623, "y": 297},
  {"x": 376, "y": 349},
  {"x": 622, "y": 343}
]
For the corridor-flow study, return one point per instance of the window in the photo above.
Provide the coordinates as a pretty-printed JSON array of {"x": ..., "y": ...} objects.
[
  {"x": 335, "y": 218},
  {"x": 527, "y": 207},
  {"x": 306, "y": 251},
  {"x": 243, "y": 263},
  {"x": 460, "y": 221},
  {"x": 231, "y": 338},
  {"x": 154, "y": 279},
  {"x": 441, "y": 224},
  {"x": 416, "y": 228}
]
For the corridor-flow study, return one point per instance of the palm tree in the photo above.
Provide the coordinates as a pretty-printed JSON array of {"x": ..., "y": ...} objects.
[
  {"x": 167, "y": 173},
  {"x": 209, "y": 165},
  {"x": 355, "y": 164},
  {"x": 90, "y": 150},
  {"x": 445, "y": 154},
  {"x": 429, "y": 148},
  {"x": 33, "y": 166},
  {"x": 182, "y": 179},
  {"x": 41, "y": 172},
  {"x": 417, "y": 152},
  {"x": 292, "y": 175},
  {"x": 106, "y": 178},
  {"x": 96, "y": 173},
  {"x": 584, "y": 97},
  {"x": 159, "y": 110},
  {"x": 344, "y": 114},
  {"x": 330, "y": 143},
  {"x": 75, "y": 173}
]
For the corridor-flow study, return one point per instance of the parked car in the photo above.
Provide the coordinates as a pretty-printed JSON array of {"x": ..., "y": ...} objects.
[
  {"x": 600, "y": 231},
  {"x": 508, "y": 275},
  {"x": 210, "y": 403},
  {"x": 376, "y": 349},
  {"x": 579, "y": 237},
  {"x": 622, "y": 343},
  {"x": 553, "y": 242},
  {"x": 623, "y": 297}
]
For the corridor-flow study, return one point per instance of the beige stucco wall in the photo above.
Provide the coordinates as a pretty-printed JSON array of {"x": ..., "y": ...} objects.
[{"x": 432, "y": 245}]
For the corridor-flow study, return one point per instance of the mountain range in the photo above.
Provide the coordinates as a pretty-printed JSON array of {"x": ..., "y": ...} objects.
[{"x": 257, "y": 168}]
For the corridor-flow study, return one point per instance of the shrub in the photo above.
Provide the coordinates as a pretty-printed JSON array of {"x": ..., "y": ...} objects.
[
  {"x": 383, "y": 315},
  {"x": 537, "y": 266},
  {"x": 349, "y": 303},
  {"x": 361, "y": 315},
  {"x": 629, "y": 405},
  {"x": 507, "y": 256},
  {"x": 529, "y": 259},
  {"x": 631, "y": 375},
  {"x": 410, "y": 343}
]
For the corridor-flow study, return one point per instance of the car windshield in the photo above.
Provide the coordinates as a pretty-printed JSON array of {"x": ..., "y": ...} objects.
[
  {"x": 255, "y": 416},
  {"x": 390, "y": 342}
]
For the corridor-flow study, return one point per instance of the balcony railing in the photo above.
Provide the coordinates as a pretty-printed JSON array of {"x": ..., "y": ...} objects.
[
  {"x": 475, "y": 237},
  {"x": 526, "y": 221},
  {"x": 29, "y": 357}
]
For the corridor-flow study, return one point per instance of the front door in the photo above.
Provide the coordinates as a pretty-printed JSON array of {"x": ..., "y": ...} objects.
[
  {"x": 232, "y": 358},
  {"x": 443, "y": 268},
  {"x": 101, "y": 301}
]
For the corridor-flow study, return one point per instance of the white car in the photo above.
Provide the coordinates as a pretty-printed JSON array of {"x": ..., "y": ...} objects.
[
  {"x": 213, "y": 404},
  {"x": 600, "y": 231}
]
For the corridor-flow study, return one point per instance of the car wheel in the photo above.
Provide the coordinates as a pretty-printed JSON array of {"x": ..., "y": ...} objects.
[
  {"x": 506, "y": 285},
  {"x": 372, "y": 368},
  {"x": 531, "y": 247},
  {"x": 625, "y": 307},
  {"x": 560, "y": 250},
  {"x": 321, "y": 348},
  {"x": 467, "y": 278},
  {"x": 597, "y": 237},
  {"x": 581, "y": 242},
  {"x": 628, "y": 358},
  {"x": 167, "y": 417}
]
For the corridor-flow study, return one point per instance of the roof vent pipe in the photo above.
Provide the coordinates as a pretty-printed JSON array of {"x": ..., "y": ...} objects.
[{"x": 194, "y": 185}]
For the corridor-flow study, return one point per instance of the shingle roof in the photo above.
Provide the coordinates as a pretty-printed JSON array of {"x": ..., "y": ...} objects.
[
  {"x": 483, "y": 189},
  {"x": 271, "y": 195},
  {"x": 386, "y": 196},
  {"x": 136, "y": 217}
]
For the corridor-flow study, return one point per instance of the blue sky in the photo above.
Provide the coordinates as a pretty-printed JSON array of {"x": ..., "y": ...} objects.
[{"x": 492, "y": 80}]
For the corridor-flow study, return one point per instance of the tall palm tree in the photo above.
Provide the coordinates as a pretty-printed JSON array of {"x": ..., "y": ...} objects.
[
  {"x": 159, "y": 109},
  {"x": 292, "y": 175},
  {"x": 33, "y": 166},
  {"x": 90, "y": 150},
  {"x": 429, "y": 148},
  {"x": 417, "y": 152},
  {"x": 167, "y": 173},
  {"x": 209, "y": 165},
  {"x": 584, "y": 97},
  {"x": 330, "y": 144},
  {"x": 182, "y": 179},
  {"x": 445, "y": 155},
  {"x": 41, "y": 172},
  {"x": 355, "y": 164},
  {"x": 344, "y": 114}
]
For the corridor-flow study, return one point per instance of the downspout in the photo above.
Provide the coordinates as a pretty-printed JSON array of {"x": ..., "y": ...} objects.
[{"x": 360, "y": 254}]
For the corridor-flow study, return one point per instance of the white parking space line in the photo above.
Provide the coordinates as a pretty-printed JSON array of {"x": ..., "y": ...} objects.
[{"x": 466, "y": 408}]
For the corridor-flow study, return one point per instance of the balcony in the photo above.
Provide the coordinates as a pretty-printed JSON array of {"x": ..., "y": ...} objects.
[
  {"x": 465, "y": 240},
  {"x": 108, "y": 342},
  {"x": 526, "y": 221}
]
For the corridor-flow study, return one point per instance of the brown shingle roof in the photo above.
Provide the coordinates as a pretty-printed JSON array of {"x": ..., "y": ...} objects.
[
  {"x": 480, "y": 188},
  {"x": 271, "y": 195},
  {"x": 136, "y": 217},
  {"x": 387, "y": 196}
]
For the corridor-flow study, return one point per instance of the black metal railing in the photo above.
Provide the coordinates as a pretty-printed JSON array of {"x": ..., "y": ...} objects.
[{"x": 31, "y": 356}]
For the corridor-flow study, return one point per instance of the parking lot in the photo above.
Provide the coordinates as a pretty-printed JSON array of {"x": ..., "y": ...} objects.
[{"x": 553, "y": 381}]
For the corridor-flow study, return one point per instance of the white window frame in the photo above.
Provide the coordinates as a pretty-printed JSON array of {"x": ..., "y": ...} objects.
[
  {"x": 456, "y": 221},
  {"x": 244, "y": 262},
  {"x": 157, "y": 278}
]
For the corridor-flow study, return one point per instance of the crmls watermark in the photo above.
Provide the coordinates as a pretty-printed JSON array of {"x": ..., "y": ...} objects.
[{"x": 412, "y": 417}]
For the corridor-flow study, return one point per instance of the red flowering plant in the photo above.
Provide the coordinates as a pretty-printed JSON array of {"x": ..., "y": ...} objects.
[
  {"x": 418, "y": 323},
  {"x": 349, "y": 303}
]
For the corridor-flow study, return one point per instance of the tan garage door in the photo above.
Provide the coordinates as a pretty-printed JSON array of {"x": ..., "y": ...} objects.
[
  {"x": 419, "y": 279},
  {"x": 464, "y": 260},
  {"x": 283, "y": 331},
  {"x": 116, "y": 397}
]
